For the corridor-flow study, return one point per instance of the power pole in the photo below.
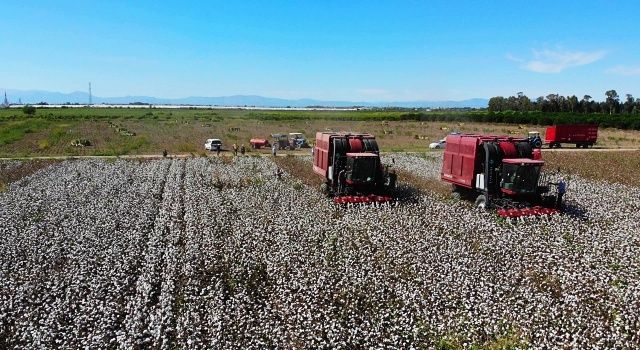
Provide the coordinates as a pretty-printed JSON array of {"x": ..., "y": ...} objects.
[{"x": 90, "y": 97}]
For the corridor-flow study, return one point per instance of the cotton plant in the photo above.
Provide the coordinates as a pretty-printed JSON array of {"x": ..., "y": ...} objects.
[{"x": 222, "y": 253}]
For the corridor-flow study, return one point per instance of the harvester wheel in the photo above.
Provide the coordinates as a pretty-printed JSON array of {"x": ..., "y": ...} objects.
[{"x": 481, "y": 202}]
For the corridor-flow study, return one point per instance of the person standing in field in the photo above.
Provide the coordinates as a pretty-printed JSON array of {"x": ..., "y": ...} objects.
[
  {"x": 562, "y": 188},
  {"x": 235, "y": 149},
  {"x": 242, "y": 150},
  {"x": 273, "y": 149},
  {"x": 218, "y": 151}
]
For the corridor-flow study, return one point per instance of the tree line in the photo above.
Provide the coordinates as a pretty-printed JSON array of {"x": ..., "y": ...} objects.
[{"x": 554, "y": 103}]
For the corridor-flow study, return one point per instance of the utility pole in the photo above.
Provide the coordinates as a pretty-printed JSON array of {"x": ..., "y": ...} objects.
[{"x": 90, "y": 97}]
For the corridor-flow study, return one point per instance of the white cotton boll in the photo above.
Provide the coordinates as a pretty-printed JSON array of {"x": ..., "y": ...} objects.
[{"x": 176, "y": 262}]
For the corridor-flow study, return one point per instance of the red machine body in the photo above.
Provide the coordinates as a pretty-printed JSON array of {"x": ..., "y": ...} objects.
[
  {"x": 259, "y": 143},
  {"x": 498, "y": 171},
  {"x": 350, "y": 165},
  {"x": 582, "y": 135}
]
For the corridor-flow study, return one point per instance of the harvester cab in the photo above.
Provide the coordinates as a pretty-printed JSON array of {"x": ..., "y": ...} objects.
[
  {"x": 351, "y": 168},
  {"x": 520, "y": 176},
  {"x": 361, "y": 168}
]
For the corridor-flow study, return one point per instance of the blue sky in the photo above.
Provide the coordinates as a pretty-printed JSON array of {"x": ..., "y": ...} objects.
[{"x": 345, "y": 50}]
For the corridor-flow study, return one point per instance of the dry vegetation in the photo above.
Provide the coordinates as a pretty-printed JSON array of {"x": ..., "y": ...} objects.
[
  {"x": 11, "y": 171},
  {"x": 613, "y": 166},
  {"x": 424, "y": 184},
  {"x": 300, "y": 168}
]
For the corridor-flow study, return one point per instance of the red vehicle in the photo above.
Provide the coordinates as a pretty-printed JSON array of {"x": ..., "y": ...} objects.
[
  {"x": 497, "y": 171},
  {"x": 350, "y": 165},
  {"x": 582, "y": 135},
  {"x": 259, "y": 143}
]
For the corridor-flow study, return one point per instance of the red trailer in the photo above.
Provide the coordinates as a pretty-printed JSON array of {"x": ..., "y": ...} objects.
[
  {"x": 582, "y": 135},
  {"x": 497, "y": 171},
  {"x": 259, "y": 143},
  {"x": 350, "y": 165}
]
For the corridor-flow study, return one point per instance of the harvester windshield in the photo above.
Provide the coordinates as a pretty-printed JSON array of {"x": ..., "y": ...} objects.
[
  {"x": 362, "y": 167},
  {"x": 520, "y": 175}
]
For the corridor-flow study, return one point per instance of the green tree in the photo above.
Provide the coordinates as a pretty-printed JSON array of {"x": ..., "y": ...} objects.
[
  {"x": 573, "y": 102},
  {"x": 628, "y": 104},
  {"x": 585, "y": 103},
  {"x": 497, "y": 104},
  {"x": 29, "y": 110},
  {"x": 612, "y": 100}
]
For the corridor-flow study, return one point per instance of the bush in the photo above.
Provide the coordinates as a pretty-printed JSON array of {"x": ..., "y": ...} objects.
[{"x": 29, "y": 110}]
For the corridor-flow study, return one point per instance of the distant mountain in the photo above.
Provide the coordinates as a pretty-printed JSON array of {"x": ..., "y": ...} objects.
[{"x": 37, "y": 96}]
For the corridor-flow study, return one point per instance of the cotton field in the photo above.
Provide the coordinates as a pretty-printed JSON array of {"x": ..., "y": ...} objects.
[{"x": 222, "y": 253}]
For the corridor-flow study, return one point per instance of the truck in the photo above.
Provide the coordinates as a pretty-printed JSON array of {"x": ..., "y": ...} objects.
[
  {"x": 499, "y": 172},
  {"x": 350, "y": 166},
  {"x": 582, "y": 135}
]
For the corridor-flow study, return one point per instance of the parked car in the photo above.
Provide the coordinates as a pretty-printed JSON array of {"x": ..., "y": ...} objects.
[
  {"x": 213, "y": 145},
  {"x": 438, "y": 145}
]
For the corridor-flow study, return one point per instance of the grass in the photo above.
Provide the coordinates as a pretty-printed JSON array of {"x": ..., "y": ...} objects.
[
  {"x": 13, "y": 131},
  {"x": 184, "y": 130}
]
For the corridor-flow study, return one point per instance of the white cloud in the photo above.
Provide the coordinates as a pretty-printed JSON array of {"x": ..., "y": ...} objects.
[
  {"x": 555, "y": 61},
  {"x": 624, "y": 70}
]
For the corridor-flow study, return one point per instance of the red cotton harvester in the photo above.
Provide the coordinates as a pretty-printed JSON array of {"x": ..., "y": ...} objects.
[
  {"x": 350, "y": 166},
  {"x": 499, "y": 172}
]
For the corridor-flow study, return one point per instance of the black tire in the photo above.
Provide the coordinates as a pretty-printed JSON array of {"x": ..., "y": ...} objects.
[
  {"x": 537, "y": 143},
  {"x": 481, "y": 202}
]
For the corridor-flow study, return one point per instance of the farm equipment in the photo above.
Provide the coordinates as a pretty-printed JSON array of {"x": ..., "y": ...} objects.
[
  {"x": 498, "y": 172},
  {"x": 534, "y": 139},
  {"x": 259, "y": 143},
  {"x": 582, "y": 135},
  {"x": 297, "y": 140},
  {"x": 350, "y": 165},
  {"x": 281, "y": 141}
]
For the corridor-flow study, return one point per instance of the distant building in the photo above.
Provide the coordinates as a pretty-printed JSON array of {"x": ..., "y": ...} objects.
[{"x": 5, "y": 104}]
